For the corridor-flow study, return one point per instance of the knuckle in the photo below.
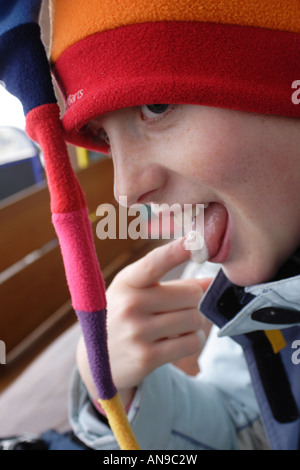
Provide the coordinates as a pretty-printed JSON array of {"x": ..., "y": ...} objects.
[
  {"x": 134, "y": 331},
  {"x": 127, "y": 305},
  {"x": 154, "y": 358},
  {"x": 196, "y": 320},
  {"x": 128, "y": 309},
  {"x": 194, "y": 344},
  {"x": 143, "y": 357},
  {"x": 143, "y": 329},
  {"x": 120, "y": 277},
  {"x": 194, "y": 291},
  {"x": 149, "y": 269},
  {"x": 137, "y": 331},
  {"x": 134, "y": 305}
]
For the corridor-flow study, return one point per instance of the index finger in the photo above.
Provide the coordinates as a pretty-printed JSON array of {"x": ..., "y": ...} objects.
[{"x": 147, "y": 271}]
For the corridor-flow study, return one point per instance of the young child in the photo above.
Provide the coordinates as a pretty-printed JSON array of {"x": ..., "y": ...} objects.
[
  {"x": 235, "y": 163},
  {"x": 224, "y": 135},
  {"x": 195, "y": 102}
]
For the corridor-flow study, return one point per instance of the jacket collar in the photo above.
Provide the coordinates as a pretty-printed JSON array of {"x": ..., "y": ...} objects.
[{"x": 269, "y": 306}]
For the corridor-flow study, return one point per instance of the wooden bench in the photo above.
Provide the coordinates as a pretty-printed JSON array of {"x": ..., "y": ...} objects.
[{"x": 35, "y": 302}]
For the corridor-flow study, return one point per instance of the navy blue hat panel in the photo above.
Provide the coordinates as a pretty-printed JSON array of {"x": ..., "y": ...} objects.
[
  {"x": 14, "y": 13},
  {"x": 24, "y": 67}
]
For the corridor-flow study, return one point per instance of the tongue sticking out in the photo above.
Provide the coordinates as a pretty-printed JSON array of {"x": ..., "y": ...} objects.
[{"x": 215, "y": 224}]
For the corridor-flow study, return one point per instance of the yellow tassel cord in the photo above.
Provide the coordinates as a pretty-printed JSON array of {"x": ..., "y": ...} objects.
[
  {"x": 82, "y": 157},
  {"x": 119, "y": 424},
  {"x": 276, "y": 339}
]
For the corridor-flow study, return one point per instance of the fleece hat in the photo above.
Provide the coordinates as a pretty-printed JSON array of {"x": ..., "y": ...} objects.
[
  {"x": 106, "y": 55},
  {"x": 235, "y": 54}
]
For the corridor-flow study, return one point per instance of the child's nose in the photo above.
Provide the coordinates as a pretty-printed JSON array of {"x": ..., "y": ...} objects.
[{"x": 140, "y": 183}]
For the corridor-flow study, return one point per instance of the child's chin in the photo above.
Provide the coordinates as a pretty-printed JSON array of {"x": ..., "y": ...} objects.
[{"x": 249, "y": 277}]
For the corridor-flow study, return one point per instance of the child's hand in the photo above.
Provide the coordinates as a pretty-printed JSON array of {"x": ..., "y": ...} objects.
[{"x": 150, "y": 323}]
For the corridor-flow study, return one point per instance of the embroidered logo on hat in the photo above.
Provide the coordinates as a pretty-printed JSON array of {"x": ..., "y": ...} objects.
[{"x": 74, "y": 97}]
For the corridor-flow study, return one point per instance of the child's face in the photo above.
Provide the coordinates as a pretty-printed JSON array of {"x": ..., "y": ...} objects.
[{"x": 249, "y": 164}]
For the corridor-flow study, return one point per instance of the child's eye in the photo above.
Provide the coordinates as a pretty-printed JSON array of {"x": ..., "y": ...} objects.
[
  {"x": 101, "y": 136},
  {"x": 150, "y": 111},
  {"x": 105, "y": 137}
]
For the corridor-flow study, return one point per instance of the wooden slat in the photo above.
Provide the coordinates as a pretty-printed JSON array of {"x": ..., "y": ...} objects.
[
  {"x": 26, "y": 223},
  {"x": 25, "y": 226},
  {"x": 97, "y": 183},
  {"x": 31, "y": 296}
]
